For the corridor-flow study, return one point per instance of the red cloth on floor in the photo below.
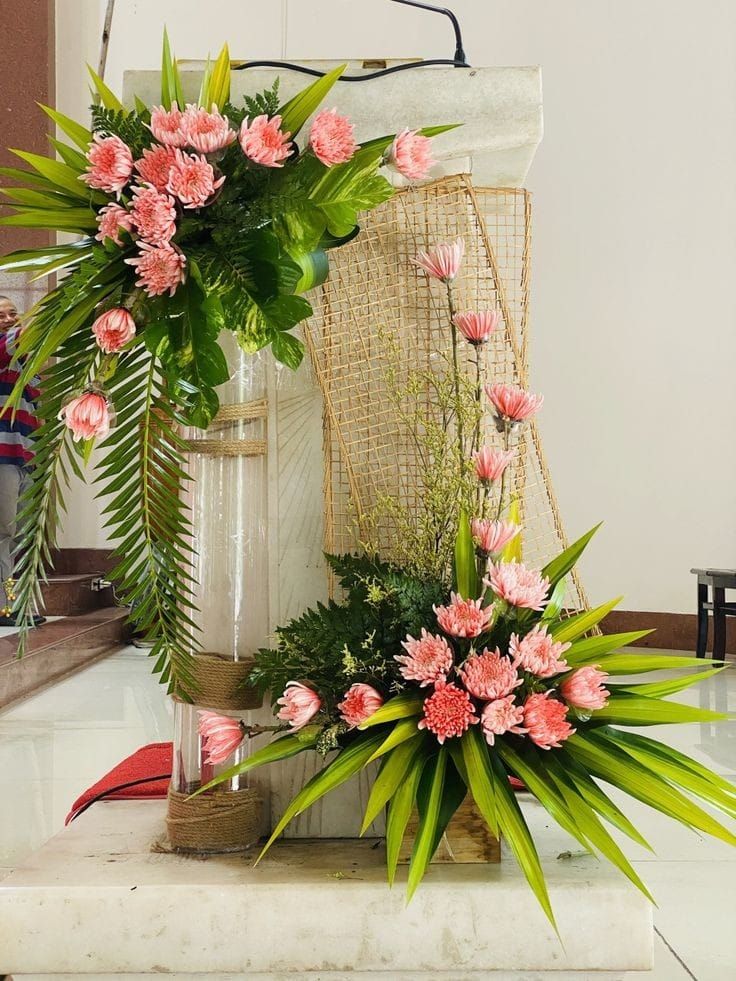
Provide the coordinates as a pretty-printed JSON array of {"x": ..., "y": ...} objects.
[{"x": 148, "y": 761}]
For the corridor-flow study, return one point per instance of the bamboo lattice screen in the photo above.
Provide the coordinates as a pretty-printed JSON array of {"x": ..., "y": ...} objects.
[{"x": 374, "y": 289}]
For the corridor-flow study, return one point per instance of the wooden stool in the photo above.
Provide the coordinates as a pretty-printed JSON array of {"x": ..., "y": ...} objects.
[{"x": 719, "y": 580}]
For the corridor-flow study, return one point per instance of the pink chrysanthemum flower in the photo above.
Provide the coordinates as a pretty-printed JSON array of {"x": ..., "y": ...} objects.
[
  {"x": 411, "y": 154},
  {"x": 448, "y": 712},
  {"x": 489, "y": 675},
  {"x": 87, "y": 416},
  {"x": 500, "y": 716},
  {"x": 299, "y": 704},
  {"x": 490, "y": 464},
  {"x": 584, "y": 689},
  {"x": 545, "y": 720},
  {"x": 360, "y": 703},
  {"x": 491, "y": 536},
  {"x": 513, "y": 403},
  {"x": 113, "y": 329},
  {"x": 519, "y": 586},
  {"x": 153, "y": 214},
  {"x": 168, "y": 126},
  {"x": 443, "y": 261},
  {"x": 263, "y": 142},
  {"x": 537, "y": 653},
  {"x": 192, "y": 180},
  {"x": 160, "y": 268},
  {"x": 155, "y": 166},
  {"x": 220, "y": 734},
  {"x": 427, "y": 660},
  {"x": 331, "y": 138},
  {"x": 476, "y": 328},
  {"x": 463, "y": 618},
  {"x": 206, "y": 131},
  {"x": 111, "y": 220},
  {"x": 110, "y": 164}
]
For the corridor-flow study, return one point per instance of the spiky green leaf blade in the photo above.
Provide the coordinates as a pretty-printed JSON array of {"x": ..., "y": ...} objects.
[
  {"x": 662, "y": 689},
  {"x": 399, "y": 812},
  {"x": 398, "y": 707},
  {"x": 466, "y": 575},
  {"x": 75, "y": 131},
  {"x": 103, "y": 91},
  {"x": 283, "y": 748},
  {"x": 406, "y": 729},
  {"x": 170, "y": 80},
  {"x": 425, "y": 840},
  {"x": 395, "y": 767},
  {"x": 588, "y": 650},
  {"x": 58, "y": 174},
  {"x": 219, "y": 82},
  {"x": 478, "y": 775},
  {"x": 297, "y": 111},
  {"x": 626, "y": 709},
  {"x": 579, "y": 624},
  {"x": 563, "y": 563}
]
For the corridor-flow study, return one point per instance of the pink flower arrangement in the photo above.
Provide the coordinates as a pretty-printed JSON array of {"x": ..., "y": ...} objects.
[
  {"x": 263, "y": 142},
  {"x": 110, "y": 164},
  {"x": 360, "y": 703},
  {"x": 153, "y": 214},
  {"x": 113, "y": 329},
  {"x": 584, "y": 689},
  {"x": 448, "y": 712},
  {"x": 160, "y": 268},
  {"x": 443, "y": 261},
  {"x": 517, "y": 585},
  {"x": 207, "y": 132},
  {"x": 490, "y": 464},
  {"x": 111, "y": 220},
  {"x": 192, "y": 180},
  {"x": 476, "y": 328},
  {"x": 154, "y": 166},
  {"x": 545, "y": 720},
  {"x": 168, "y": 126},
  {"x": 411, "y": 154},
  {"x": 500, "y": 716},
  {"x": 513, "y": 403},
  {"x": 491, "y": 536},
  {"x": 87, "y": 416},
  {"x": 427, "y": 660},
  {"x": 220, "y": 734},
  {"x": 489, "y": 675},
  {"x": 299, "y": 705},
  {"x": 331, "y": 138},
  {"x": 463, "y": 618},
  {"x": 538, "y": 653}
]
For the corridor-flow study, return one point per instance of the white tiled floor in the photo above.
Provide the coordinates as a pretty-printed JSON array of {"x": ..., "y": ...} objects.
[{"x": 57, "y": 743}]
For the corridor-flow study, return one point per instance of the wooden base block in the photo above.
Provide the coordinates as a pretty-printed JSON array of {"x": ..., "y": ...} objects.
[{"x": 467, "y": 840}]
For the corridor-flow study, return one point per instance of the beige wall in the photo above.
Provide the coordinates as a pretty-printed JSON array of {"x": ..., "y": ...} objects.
[{"x": 634, "y": 250}]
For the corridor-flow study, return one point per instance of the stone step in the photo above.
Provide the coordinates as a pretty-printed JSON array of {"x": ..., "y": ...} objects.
[
  {"x": 59, "y": 648},
  {"x": 71, "y": 594}
]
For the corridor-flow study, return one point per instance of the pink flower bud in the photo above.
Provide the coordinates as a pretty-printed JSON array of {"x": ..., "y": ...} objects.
[
  {"x": 221, "y": 736},
  {"x": 299, "y": 705},
  {"x": 360, "y": 703},
  {"x": 87, "y": 416},
  {"x": 113, "y": 329},
  {"x": 584, "y": 689}
]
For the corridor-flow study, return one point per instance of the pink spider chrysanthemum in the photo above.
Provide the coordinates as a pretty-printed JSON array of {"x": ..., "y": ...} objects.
[
  {"x": 545, "y": 720},
  {"x": 448, "y": 712},
  {"x": 491, "y": 536},
  {"x": 331, "y": 138},
  {"x": 463, "y": 618},
  {"x": 427, "y": 660},
  {"x": 476, "y": 328},
  {"x": 512, "y": 402},
  {"x": 518, "y": 586},
  {"x": 111, "y": 220},
  {"x": 207, "y": 132},
  {"x": 490, "y": 464},
  {"x": 192, "y": 180},
  {"x": 538, "y": 653},
  {"x": 443, "y": 261},
  {"x": 359, "y": 703},
  {"x": 110, "y": 164},
  {"x": 153, "y": 214},
  {"x": 154, "y": 166},
  {"x": 489, "y": 675},
  {"x": 160, "y": 268},
  {"x": 500, "y": 716},
  {"x": 167, "y": 126},
  {"x": 263, "y": 141}
]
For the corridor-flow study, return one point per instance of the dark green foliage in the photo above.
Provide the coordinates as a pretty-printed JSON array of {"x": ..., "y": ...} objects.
[
  {"x": 128, "y": 126},
  {"x": 265, "y": 103},
  {"x": 338, "y": 644}
]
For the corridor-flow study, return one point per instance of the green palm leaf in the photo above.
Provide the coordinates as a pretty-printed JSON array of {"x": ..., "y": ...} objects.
[
  {"x": 399, "y": 707},
  {"x": 561, "y": 565},
  {"x": 393, "y": 772},
  {"x": 590, "y": 649},
  {"x": 406, "y": 729},
  {"x": 297, "y": 111},
  {"x": 476, "y": 770},
  {"x": 283, "y": 748},
  {"x": 429, "y": 797},
  {"x": 661, "y": 689},
  {"x": 626, "y": 709},
  {"x": 399, "y": 812},
  {"x": 579, "y": 624}
]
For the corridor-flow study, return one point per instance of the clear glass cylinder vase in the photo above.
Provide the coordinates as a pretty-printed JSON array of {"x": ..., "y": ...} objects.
[{"x": 227, "y": 494}]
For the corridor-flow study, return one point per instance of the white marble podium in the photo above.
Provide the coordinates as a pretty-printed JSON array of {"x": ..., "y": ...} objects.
[{"x": 96, "y": 901}]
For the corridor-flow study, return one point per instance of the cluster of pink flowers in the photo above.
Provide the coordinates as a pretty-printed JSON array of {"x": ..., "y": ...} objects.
[{"x": 483, "y": 688}]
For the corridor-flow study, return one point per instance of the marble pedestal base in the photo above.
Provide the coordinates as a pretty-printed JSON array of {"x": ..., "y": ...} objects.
[{"x": 96, "y": 900}]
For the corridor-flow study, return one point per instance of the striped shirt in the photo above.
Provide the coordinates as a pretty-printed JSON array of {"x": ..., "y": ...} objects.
[{"x": 16, "y": 443}]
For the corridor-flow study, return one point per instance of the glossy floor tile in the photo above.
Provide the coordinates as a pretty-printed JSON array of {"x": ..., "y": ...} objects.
[{"x": 57, "y": 743}]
